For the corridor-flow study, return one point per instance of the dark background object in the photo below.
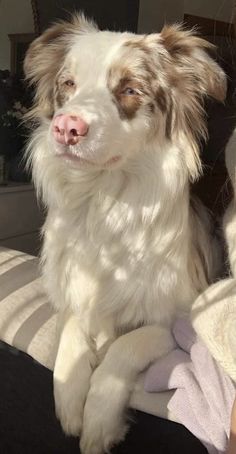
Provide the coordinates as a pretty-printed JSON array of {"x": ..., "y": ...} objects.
[
  {"x": 19, "y": 45},
  {"x": 28, "y": 424},
  {"x": 114, "y": 15}
]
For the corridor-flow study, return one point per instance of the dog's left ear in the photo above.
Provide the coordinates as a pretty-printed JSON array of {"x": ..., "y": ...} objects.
[
  {"x": 191, "y": 52},
  {"x": 45, "y": 56},
  {"x": 186, "y": 74}
]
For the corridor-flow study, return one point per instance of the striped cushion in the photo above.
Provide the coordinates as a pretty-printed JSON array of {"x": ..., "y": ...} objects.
[{"x": 28, "y": 323}]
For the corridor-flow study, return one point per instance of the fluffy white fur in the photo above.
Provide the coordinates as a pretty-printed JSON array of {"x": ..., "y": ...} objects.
[{"x": 123, "y": 251}]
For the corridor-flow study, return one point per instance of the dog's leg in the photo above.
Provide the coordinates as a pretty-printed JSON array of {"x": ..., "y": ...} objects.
[
  {"x": 112, "y": 382},
  {"x": 74, "y": 364}
]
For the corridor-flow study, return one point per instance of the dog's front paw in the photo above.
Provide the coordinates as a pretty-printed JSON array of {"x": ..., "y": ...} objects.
[
  {"x": 69, "y": 406},
  {"x": 72, "y": 372},
  {"x": 101, "y": 433},
  {"x": 103, "y": 424}
]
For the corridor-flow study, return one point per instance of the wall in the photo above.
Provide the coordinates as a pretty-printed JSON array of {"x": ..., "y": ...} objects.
[
  {"x": 154, "y": 13},
  {"x": 214, "y": 9},
  {"x": 15, "y": 17}
]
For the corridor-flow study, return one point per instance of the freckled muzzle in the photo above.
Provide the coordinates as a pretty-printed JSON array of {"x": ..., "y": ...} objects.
[{"x": 68, "y": 129}]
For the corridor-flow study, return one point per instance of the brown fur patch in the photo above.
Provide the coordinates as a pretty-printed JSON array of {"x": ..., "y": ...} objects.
[
  {"x": 62, "y": 91},
  {"x": 44, "y": 59},
  {"x": 152, "y": 94},
  {"x": 41, "y": 66},
  {"x": 169, "y": 120},
  {"x": 179, "y": 41},
  {"x": 151, "y": 107},
  {"x": 127, "y": 105},
  {"x": 150, "y": 70},
  {"x": 161, "y": 99},
  {"x": 189, "y": 50},
  {"x": 138, "y": 44}
]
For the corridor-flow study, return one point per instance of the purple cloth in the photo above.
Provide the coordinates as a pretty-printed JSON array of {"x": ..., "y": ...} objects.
[{"x": 204, "y": 393}]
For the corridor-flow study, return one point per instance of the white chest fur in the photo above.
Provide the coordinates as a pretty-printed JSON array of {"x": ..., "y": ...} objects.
[{"x": 121, "y": 252}]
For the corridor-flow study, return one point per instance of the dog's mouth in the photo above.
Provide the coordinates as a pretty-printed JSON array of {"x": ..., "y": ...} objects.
[
  {"x": 71, "y": 157},
  {"x": 77, "y": 159}
]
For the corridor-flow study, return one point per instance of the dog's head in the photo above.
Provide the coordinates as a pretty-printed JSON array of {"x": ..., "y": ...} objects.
[{"x": 108, "y": 95}]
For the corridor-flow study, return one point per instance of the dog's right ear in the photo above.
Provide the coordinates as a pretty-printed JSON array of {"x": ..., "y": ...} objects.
[{"x": 45, "y": 57}]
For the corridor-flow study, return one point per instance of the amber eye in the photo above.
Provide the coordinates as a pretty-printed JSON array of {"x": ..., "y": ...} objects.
[
  {"x": 130, "y": 91},
  {"x": 69, "y": 83}
]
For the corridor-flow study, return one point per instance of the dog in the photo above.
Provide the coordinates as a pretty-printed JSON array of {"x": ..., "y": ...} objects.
[{"x": 119, "y": 117}]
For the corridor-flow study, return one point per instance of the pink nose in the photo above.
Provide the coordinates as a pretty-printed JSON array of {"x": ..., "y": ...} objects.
[{"x": 67, "y": 129}]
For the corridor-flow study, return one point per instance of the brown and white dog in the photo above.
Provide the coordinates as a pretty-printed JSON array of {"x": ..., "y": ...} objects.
[{"x": 119, "y": 117}]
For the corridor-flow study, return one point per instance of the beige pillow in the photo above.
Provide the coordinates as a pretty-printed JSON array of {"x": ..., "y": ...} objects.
[{"x": 28, "y": 323}]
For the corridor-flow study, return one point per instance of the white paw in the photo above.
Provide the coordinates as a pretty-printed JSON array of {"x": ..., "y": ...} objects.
[
  {"x": 72, "y": 374},
  {"x": 103, "y": 423},
  {"x": 69, "y": 407},
  {"x": 100, "y": 434}
]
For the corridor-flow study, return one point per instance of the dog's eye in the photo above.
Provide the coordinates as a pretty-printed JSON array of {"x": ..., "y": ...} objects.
[
  {"x": 130, "y": 91},
  {"x": 69, "y": 83}
]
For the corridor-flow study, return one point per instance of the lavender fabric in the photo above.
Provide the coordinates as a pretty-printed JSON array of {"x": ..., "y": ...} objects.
[{"x": 204, "y": 393}]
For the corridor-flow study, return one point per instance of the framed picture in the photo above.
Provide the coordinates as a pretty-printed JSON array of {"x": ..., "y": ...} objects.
[
  {"x": 19, "y": 45},
  {"x": 35, "y": 11}
]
